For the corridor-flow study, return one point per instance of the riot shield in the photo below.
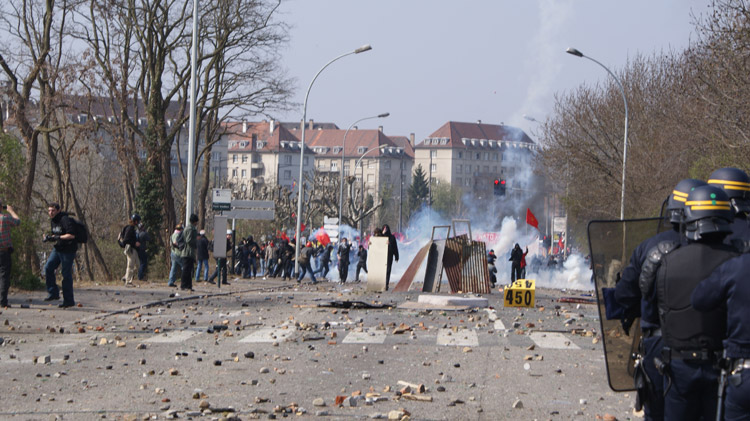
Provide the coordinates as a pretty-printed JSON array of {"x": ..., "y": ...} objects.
[{"x": 611, "y": 244}]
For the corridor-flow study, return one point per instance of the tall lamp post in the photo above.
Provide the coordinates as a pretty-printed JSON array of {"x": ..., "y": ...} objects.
[
  {"x": 362, "y": 179},
  {"x": 343, "y": 151},
  {"x": 361, "y": 49},
  {"x": 577, "y": 53}
]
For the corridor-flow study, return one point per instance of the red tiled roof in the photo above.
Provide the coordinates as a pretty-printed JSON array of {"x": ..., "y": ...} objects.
[
  {"x": 456, "y": 131},
  {"x": 355, "y": 139},
  {"x": 271, "y": 141},
  {"x": 404, "y": 142}
]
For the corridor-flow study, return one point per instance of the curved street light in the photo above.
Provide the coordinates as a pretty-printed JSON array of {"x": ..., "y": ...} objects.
[
  {"x": 362, "y": 179},
  {"x": 343, "y": 151},
  {"x": 577, "y": 53},
  {"x": 361, "y": 49}
]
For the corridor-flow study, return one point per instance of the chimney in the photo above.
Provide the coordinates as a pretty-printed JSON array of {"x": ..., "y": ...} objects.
[
  {"x": 479, "y": 121},
  {"x": 244, "y": 127},
  {"x": 311, "y": 124},
  {"x": 271, "y": 125},
  {"x": 355, "y": 128},
  {"x": 411, "y": 139},
  {"x": 380, "y": 129}
]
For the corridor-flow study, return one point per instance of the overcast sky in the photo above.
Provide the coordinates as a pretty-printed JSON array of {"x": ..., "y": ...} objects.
[{"x": 439, "y": 60}]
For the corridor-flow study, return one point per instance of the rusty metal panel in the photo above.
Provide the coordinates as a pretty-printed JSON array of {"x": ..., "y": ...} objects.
[
  {"x": 474, "y": 274},
  {"x": 408, "y": 277}
]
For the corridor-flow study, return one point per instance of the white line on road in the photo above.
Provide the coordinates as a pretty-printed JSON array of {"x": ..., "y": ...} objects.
[
  {"x": 368, "y": 336},
  {"x": 552, "y": 340},
  {"x": 171, "y": 337},
  {"x": 462, "y": 337},
  {"x": 267, "y": 335}
]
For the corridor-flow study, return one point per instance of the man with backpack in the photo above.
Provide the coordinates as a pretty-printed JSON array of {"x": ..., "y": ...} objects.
[
  {"x": 129, "y": 241},
  {"x": 187, "y": 255},
  {"x": 63, "y": 253}
]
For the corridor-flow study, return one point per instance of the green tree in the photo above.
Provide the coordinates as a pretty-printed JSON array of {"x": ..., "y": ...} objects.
[
  {"x": 446, "y": 200},
  {"x": 148, "y": 204},
  {"x": 418, "y": 191}
]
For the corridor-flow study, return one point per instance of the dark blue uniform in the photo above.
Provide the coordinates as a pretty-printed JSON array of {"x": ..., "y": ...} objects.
[
  {"x": 628, "y": 295},
  {"x": 729, "y": 284}
]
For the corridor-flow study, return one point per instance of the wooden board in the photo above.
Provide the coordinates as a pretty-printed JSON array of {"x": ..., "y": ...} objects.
[
  {"x": 377, "y": 261},
  {"x": 408, "y": 277},
  {"x": 434, "y": 270}
]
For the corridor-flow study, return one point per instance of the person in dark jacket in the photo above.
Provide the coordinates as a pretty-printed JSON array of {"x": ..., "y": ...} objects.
[
  {"x": 144, "y": 238},
  {"x": 392, "y": 253},
  {"x": 221, "y": 263},
  {"x": 343, "y": 255},
  {"x": 515, "y": 267},
  {"x": 63, "y": 253},
  {"x": 325, "y": 260},
  {"x": 129, "y": 237},
  {"x": 201, "y": 256},
  {"x": 362, "y": 262}
]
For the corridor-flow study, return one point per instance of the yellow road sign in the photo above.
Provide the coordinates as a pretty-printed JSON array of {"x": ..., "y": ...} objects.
[{"x": 520, "y": 293}]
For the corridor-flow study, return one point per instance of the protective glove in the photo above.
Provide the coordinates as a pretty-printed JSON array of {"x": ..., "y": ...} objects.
[{"x": 50, "y": 237}]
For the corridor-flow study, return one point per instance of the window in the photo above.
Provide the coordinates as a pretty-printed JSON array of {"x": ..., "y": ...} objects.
[
  {"x": 371, "y": 164},
  {"x": 361, "y": 150},
  {"x": 494, "y": 156},
  {"x": 287, "y": 174},
  {"x": 433, "y": 154},
  {"x": 287, "y": 159},
  {"x": 173, "y": 169},
  {"x": 334, "y": 165},
  {"x": 244, "y": 159},
  {"x": 459, "y": 181},
  {"x": 388, "y": 178},
  {"x": 460, "y": 155},
  {"x": 459, "y": 170},
  {"x": 244, "y": 173},
  {"x": 346, "y": 169},
  {"x": 258, "y": 172},
  {"x": 234, "y": 158},
  {"x": 370, "y": 178},
  {"x": 486, "y": 156},
  {"x": 305, "y": 161},
  {"x": 234, "y": 172},
  {"x": 478, "y": 156},
  {"x": 256, "y": 158},
  {"x": 387, "y": 165},
  {"x": 433, "y": 167}
]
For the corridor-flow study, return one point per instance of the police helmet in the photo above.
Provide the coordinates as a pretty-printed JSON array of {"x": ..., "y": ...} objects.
[
  {"x": 707, "y": 211},
  {"x": 676, "y": 201},
  {"x": 736, "y": 184},
  {"x": 135, "y": 217}
]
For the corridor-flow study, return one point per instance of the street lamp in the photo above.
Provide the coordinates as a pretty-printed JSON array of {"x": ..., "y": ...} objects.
[
  {"x": 343, "y": 151},
  {"x": 361, "y": 49},
  {"x": 577, "y": 53},
  {"x": 362, "y": 179}
]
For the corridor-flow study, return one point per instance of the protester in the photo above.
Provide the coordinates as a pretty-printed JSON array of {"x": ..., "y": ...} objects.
[
  {"x": 63, "y": 253},
  {"x": 201, "y": 256},
  {"x": 144, "y": 238},
  {"x": 272, "y": 256},
  {"x": 6, "y": 248},
  {"x": 325, "y": 260},
  {"x": 177, "y": 243},
  {"x": 343, "y": 255},
  {"x": 523, "y": 263},
  {"x": 515, "y": 258},
  {"x": 188, "y": 254},
  {"x": 305, "y": 258},
  {"x": 392, "y": 253},
  {"x": 129, "y": 240},
  {"x": 362, "y": 262},
  {"x": 492, "y": 269}
]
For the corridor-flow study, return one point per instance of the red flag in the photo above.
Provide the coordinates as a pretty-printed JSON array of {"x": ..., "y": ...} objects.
[{"x": 531, "y": 219}]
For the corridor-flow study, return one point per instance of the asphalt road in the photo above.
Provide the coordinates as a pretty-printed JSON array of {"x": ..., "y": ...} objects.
[{"x": 268, "y": 349}]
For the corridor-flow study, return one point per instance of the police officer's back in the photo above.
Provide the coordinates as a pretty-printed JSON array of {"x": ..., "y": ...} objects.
[{"x": 692, "y": 340}]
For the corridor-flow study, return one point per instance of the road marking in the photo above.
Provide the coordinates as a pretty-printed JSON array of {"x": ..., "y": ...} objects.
[
  {"x": 368, "y": 336},
  {"x": 267, "y": 335},
  {"x": 171, "y": 337},
  {"x": 552, "y": 340},
  {"x": 462, "y": 337}
]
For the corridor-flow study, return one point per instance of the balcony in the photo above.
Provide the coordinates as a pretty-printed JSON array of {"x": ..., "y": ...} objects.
[{"x": 256, "y": 165}]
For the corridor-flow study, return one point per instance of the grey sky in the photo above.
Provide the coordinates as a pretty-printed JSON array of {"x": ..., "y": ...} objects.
[{"x": 491, "y": 60}]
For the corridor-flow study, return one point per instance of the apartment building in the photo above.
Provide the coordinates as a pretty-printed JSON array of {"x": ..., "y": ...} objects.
[{"x": 473, "y": 155}]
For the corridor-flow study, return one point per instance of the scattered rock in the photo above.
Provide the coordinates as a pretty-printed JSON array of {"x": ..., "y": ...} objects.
[
  {"x": 517, "y": 404},
  {"x": 319, "y": 402}
]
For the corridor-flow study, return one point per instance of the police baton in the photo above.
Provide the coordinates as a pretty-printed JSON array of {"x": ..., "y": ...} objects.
[{"x": 724, "y": 365}]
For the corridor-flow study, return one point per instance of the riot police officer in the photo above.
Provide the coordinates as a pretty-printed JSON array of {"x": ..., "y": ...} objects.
[
  {"x": 691, "y": 339},
  {"x": 648, "y": 380},
  {"x": 728, "y": 285},
  {"x": 736, "y": 184}
]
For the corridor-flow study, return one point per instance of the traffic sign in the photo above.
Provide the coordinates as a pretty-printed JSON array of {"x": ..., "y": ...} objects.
[{"x": 520, "y": 293}]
